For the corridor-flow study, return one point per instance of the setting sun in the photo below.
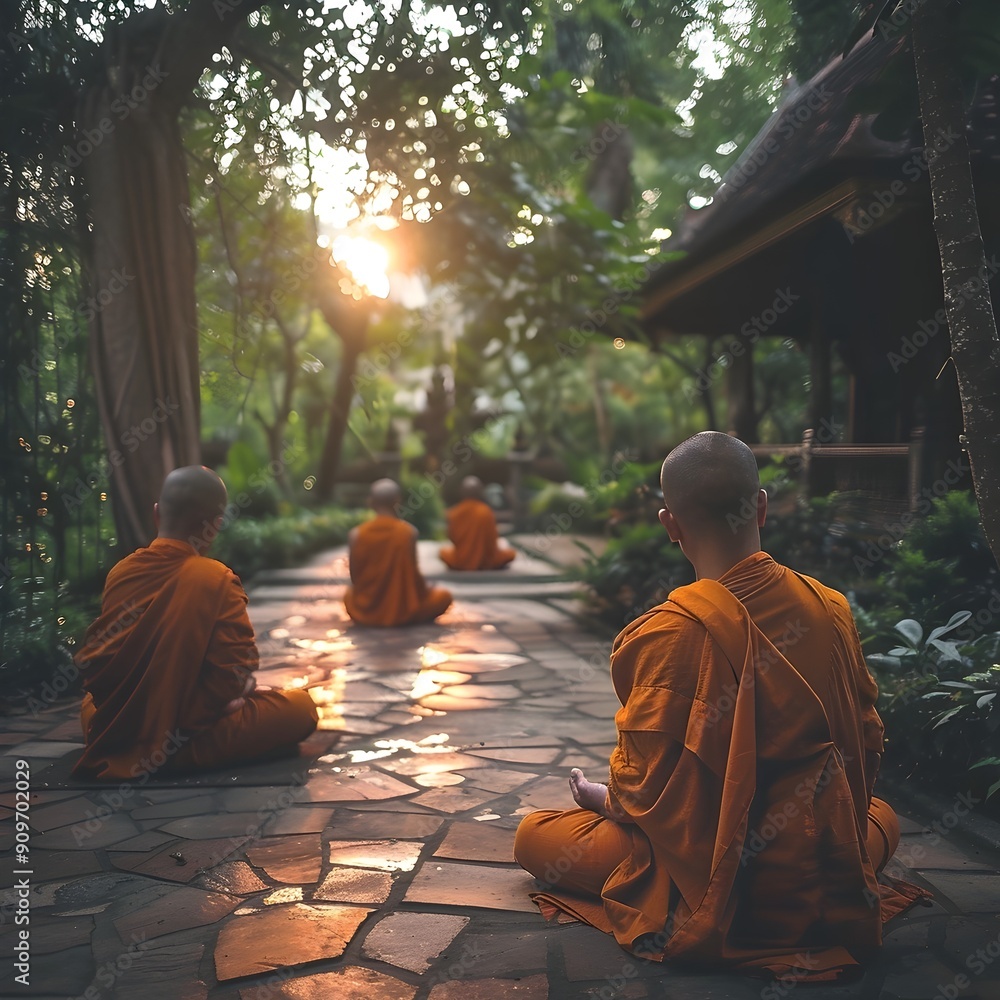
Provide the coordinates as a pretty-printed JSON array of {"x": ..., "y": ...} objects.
[{"x": 366, "y": 261}]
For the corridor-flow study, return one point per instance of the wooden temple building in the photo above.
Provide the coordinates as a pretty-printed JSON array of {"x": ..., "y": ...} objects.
[{"x": 822, "y": 232}]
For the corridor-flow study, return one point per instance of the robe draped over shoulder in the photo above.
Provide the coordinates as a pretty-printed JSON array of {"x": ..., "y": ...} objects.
[
  {"x": 387, "y": 587},
  {"x": 472, "y": 529},
  {"x": 172, "y": 646},
  {"x": 742, "y": 772}
]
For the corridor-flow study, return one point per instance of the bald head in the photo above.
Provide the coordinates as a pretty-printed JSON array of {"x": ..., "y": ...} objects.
[
  {"x": 710, "y": 484},
  {"x": 191, "y": 500},
  {"x": 472, "y": 488},
  {"x": 385, "y": 494}
]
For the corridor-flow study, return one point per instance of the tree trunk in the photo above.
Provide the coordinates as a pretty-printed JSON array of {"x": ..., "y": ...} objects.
[
  {"x": 971, "y": 321},
  {"x": 349, "y": 320},
  {"x": 141, "y": 258}
]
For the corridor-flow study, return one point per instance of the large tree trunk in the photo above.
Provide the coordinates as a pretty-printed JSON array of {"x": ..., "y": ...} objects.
[
  {"x": 141, "y": 267},
  {"x": 349, "y": 320},
  {"x": 972, "y": 324}
]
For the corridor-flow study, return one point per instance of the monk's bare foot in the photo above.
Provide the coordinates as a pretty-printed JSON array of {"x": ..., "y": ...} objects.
[
  {"x": 587, "y": 794},
  {"x": 233, "y": 706}
]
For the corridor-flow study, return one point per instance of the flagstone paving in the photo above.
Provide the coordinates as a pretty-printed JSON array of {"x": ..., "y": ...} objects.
[{"x": 382, "y": 868}]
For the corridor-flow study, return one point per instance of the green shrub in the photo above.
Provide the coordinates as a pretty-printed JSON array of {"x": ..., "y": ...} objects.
[
  {"x": 937, "y": 699},
  {"x": 42, "y": 628},
  {"x": 634, "y": 573},
  {"x": 252, "y": 544},
  {"x": 422, "y": 505}
]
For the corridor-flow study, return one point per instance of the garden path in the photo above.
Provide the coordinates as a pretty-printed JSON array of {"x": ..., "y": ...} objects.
[{"x": 380, "y": 867}]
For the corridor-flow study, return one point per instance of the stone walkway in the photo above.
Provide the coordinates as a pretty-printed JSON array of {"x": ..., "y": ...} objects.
[{"x": 382, "y": 869}]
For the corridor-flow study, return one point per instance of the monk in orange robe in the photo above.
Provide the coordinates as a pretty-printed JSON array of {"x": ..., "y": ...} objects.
[
  {"x": 387, "y": 587},
  {"x": 168, "y": 666},
  {"x": 737, "y": 828},
  {"x": 472, "y": 529}
]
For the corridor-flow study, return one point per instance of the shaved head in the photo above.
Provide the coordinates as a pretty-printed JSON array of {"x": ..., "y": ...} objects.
[
  {"x": 710, "y": 483},
  {"x": 472, "y": 488},
  {"x": 191, "y": 499},
  {"x": 385, "y": 493}
]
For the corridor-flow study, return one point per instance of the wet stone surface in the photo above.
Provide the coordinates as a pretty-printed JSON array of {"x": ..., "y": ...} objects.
[{"x": 379, "y": 865}]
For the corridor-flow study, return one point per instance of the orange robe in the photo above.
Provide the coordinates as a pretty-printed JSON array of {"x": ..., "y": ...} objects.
[
  {"x": 472, "y": 528},
  {"x": 387, "y": 586},
  {"x": 747, "y": 745},
  {"x": 172, "y": 646}
]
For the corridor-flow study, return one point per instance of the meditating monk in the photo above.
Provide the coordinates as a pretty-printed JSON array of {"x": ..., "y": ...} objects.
[
  {"x": 472, "y": 529},
  {"x": 387, "y": 587},
  {"x": 738, "y": 827},
  {"x": 167, "y": 668}
]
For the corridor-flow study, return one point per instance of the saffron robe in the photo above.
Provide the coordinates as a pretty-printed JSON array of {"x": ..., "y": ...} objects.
[
  {"x": 472, "y": 528},
  {"x": 172, "y": 647},
  {"x": 387, "y": 588},
  {"x": 747, "y": 744}
]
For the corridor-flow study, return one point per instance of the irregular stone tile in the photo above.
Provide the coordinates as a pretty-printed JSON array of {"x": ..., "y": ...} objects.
[
  {"x": 354, "y": 784},
  {"x": 920, "y": 853},
  {"x": 180, "y": 909},
  {"x": 236, "y": 878},
  {"x": 442, "y": 779},
  {"x": 449, "y": 883},
  {"x": 490, "y": 951},
  {"x": 412, "y": 940},
  {"x": 73, "y": 810},
  {"x": 168, "y": 971},
  {"x": 300, "y": 819},
  {"x": 476, "y": 842},
  {"x": 215, "y": 825},
  {"x": 190, "y": 805},
  {"x": 264, "y": 798},
  {"x": 496, "y": 692},
  {"x": 599, "y": 956},
  {"x": 293, "y": 858},
  {"x": 56, "y": 934},
  {"x": 82, "y": 893},
  {"x": 528, "y": 988},
  {"x": 597, "y": 709},
  {"x": 89, "y": 835},
  {"x": 68, "y": 977},
  {"x": 907, "y": 825},
  {"x": 400, "y": 826},
  {"x": 457, "y": 799},
  {"x": 195, "y": 857},
  {"x": 548, "y": 793},
  {"x": 284, "y": 936},
  {"x": 519, "y": 755},
  {"x": 451, "y": 703},
  {"x": 970, "y": 892},
  {"x": 44, "y": 749},
  {"x": 354, "y": 885},
  {"x": 63, "y": 864},
  {"x": 496, "y": 779},
  {"x": 353, "y": 983},
  {"x": 385, "y": 855},
  {"x": 148, "y": 841},
  {"x": 428, "y": 763}
]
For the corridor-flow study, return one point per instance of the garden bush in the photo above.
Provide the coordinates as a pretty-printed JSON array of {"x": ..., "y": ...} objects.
[{"x": 252, "y": 544}]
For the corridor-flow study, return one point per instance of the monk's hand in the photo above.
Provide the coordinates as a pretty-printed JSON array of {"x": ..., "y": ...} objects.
[{"x": 233, "y": 706}]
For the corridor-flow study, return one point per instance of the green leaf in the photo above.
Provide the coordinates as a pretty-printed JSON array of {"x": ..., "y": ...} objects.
[
  {"x": 986, "y": 699},
  {"x": 944, "y": 717},
  {"x": 948, "y": 650},
  {"x": 958, "y": 618},
  {"x": 994, "y": 787},
  {"x": 985, "y": 762},
  {"x": 911, "y": 631}
]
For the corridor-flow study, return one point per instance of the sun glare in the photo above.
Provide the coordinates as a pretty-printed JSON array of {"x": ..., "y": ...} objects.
[{"x": 366, "y": 260}]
